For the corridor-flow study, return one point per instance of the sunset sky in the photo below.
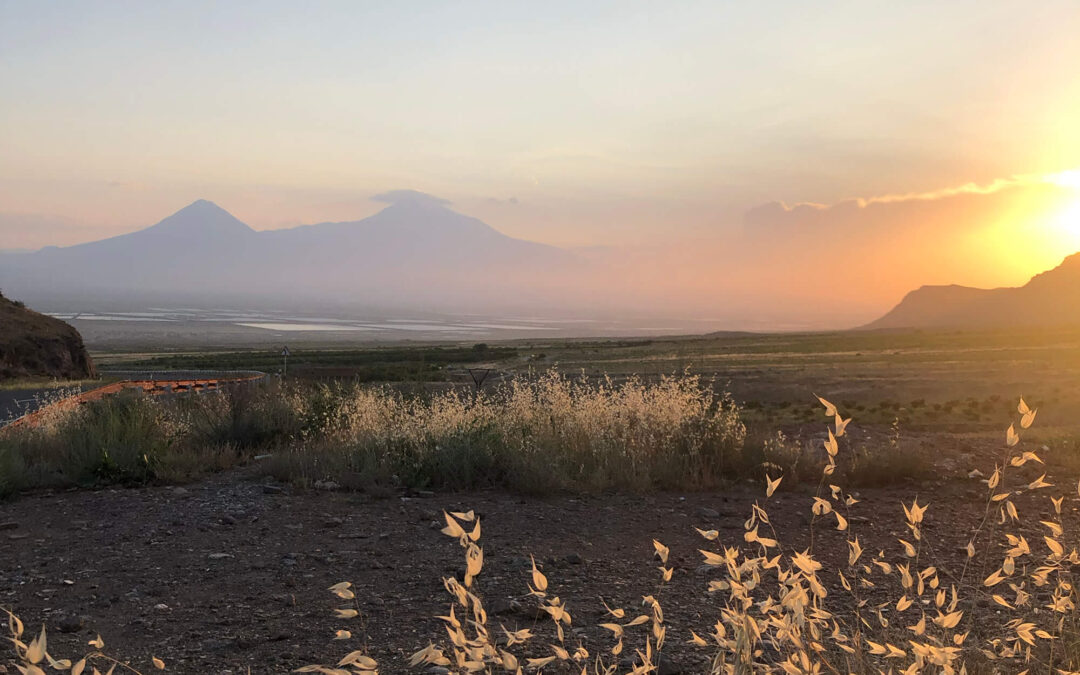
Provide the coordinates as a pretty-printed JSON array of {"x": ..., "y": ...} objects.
[{"x": 869, "y": 146}]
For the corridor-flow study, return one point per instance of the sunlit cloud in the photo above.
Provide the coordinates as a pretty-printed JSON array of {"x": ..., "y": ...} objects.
[{"x": 1069, "y": 179}]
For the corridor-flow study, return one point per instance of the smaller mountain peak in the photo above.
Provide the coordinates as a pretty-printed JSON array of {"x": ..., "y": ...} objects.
[
  {"x": 204, "y": 216},
  {"x": 202, "y": 205}
]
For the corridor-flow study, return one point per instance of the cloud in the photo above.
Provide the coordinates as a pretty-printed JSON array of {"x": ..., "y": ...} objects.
[
  {"x": 410, "y": 198},
  {"x": 768, "y": 211}
]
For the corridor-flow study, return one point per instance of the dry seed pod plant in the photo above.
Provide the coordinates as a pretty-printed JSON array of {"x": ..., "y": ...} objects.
[
  {"x": 33, "y": 656},
  {"x": 776, "y": 613}
]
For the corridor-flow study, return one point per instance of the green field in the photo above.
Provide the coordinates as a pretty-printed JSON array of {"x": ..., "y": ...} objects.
[{"x": 943, "y": 379}]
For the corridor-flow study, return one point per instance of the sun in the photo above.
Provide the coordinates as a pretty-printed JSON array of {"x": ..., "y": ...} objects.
[
  {"x": 1069, "y": 179},
  {"x": 1066, "y": 224}
]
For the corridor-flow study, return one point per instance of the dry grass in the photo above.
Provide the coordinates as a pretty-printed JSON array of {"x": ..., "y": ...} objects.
[
  {"x": 552, "y": 433},
  {"x": 538, "y": 435}
]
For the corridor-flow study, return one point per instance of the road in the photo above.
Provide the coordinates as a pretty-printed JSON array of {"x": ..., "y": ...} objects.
[
  {"x": 19, "y": 405},
  {"x": 17, "y": 402}
]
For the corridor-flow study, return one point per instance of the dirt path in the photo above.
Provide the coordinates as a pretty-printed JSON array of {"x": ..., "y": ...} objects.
[{"x": 231, "y": 573}]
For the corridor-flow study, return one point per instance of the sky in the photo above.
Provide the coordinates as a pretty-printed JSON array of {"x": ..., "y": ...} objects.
[{"x": 928, "y": 142}]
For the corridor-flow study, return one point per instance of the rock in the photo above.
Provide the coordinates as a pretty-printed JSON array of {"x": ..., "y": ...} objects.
[
  {"x": 9, "y": 525},
  {"x": 574, "y": 559},
  {"x": 70, "y": 623},
  {"x": 501, "y": 607},
  {"x": 327, "y": 485},
  {"x": 228, "y": 520},
  {"x": 36, "y": 345},
  {"x": 220, "y": 556},
  {"x": 216, "y": 645},
  {"x": 333, "y": 522},
  {"x": 707, "y": 513},
  {"x": 272, "y": 490}
]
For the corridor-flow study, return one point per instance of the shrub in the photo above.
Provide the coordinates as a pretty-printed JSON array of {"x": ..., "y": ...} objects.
[{"x": 117, "y": 439}]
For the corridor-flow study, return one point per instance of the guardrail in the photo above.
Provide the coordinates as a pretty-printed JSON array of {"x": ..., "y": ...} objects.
[
  {"x": 154, "y": 383},
  {"x": 162, "y": 375}
]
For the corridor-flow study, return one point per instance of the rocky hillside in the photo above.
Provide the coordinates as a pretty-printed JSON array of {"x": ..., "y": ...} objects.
[
  {"x": 1050, "y": 298},
  {"x": 35, "y": 345}
]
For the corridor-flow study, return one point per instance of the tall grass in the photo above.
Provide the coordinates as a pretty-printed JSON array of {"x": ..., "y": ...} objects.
[
  {"x": 538, "y": 435},
  {"x": 545, "y": 434}
]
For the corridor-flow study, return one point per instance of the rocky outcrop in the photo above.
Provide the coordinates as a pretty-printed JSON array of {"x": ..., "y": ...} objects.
[{"x": 35, "y": 345}]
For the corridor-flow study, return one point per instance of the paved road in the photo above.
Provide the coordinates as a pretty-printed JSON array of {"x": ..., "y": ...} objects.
[{"x": 17, "y": 402}]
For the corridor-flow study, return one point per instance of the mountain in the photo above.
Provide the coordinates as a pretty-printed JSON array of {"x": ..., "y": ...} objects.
[
  {"x": 415, "y": 252},
  {"x": 35, "y": 345},
  {"x": 1049, "y": 298}
]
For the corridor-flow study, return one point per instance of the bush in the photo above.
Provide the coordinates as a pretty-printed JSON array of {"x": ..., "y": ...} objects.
[{"x": 115, "y": 440}]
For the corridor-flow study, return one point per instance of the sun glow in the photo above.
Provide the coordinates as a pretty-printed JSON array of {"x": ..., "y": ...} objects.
[
  {"x": 1069, "y": 179},
  {"x": 1067, "y": 222}
]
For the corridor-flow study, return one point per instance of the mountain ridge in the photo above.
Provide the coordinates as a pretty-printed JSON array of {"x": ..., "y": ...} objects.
[
  {"x": 1051, "y": 297},
  {"x": 415, "y": 251}
]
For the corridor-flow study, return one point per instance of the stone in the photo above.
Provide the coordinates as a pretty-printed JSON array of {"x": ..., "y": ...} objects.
[
  {"x": 220, "y": 556},
  {"x": 707, "y": 513},
  {"x": 574, "y": 559},
  {"x": 70, "y": 623}
]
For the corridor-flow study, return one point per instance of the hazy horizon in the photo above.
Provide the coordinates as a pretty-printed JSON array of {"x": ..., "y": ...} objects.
[{"x": 774, "y": 162}]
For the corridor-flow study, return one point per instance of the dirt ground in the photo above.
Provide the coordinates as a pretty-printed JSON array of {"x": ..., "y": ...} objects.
[{"x": 232, "y": 573}]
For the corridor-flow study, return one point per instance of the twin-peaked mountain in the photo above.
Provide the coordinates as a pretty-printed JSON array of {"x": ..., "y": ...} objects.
[{"x": 415, "y": 252}]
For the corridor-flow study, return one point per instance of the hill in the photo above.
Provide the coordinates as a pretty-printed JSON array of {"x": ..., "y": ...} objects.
[
  {"x": 35, "y": 345},
  {"x": 415, "y": 252},
  {"x": 1050, "y": 298}
]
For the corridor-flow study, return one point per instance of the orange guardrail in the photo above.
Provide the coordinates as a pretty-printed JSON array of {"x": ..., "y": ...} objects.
[{"x": 154, "y": 386}]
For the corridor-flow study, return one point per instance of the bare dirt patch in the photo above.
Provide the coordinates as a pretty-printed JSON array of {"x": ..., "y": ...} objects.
[{"x": 232, "y": 573}]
